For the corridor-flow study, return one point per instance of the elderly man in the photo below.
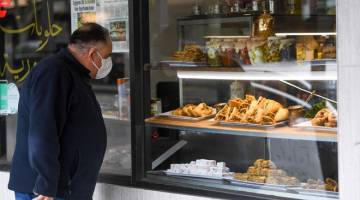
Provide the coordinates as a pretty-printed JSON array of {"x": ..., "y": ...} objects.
[{"x": 61, "y": 136}]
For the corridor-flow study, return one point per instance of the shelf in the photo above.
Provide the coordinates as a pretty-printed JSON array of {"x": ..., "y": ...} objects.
[
  {"x": 307, "y": 70},
  {"x": 258, "y": 76},
  {"x": 210, "y": 126},
  {"x": 252, "y": 14},
  {"x": 208, "y": 184}
]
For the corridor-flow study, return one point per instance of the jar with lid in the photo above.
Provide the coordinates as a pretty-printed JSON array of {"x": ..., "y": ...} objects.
[
  {"x": 300, "y": 52},
  {"x": 258, "y": 51},
  {"x": 287, "y": 49},
  {"x": 213, "y": 53},
  {"x": 273, "y": 49},
  {"x": 263, "y": 26},
  {"x": 228, "y": 53},
  {"x": 242, "y": 51},
  {"x": 255, "y": 5},
  {"x": 294, "y": 7},
  {"x": 236, "y": 7},
  {"x": 272, "y": 6}
]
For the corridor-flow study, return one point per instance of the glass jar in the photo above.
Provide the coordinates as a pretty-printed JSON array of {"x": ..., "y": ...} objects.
[
  {"x": 258, "y": 51},
  {"x": 294, "y": 7},
  {"x": 255, "y": 5},
  {"x": 273, "y": 49},
  {"x": 242, "y": 51},
  {"x": 228, "y": 53},
  {"x": 213, "y": 53},
  {"x": 300, "y": 52},
  {"x": 287, "y": 49}
]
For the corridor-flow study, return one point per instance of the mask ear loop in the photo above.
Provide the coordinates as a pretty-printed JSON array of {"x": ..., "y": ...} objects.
[{"x": 98, "y": 68}]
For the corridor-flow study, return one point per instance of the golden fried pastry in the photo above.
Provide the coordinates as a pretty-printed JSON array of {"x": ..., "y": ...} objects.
[
  {"x": 202, "y": 110},
  {"x": 241, "y": 176},
  {"x": 332, "y": 118},
  {"x": 325, "y": 117},
  {"x": 252, "y": 109},
  {"x": 264, "y": 171},
  {"x": 191, "y": 110},
  {"x": 268, "y": 164},
  {"x": 262, "y": 102},
  {"x": 236, "y": 103},
  {"x": 191, "y": 53},
  {"x": 258, "y": 163},
  {"x": 249, "y": 110},
  {"x": 272, "y": 106},
  {"x": 257, "y": 179},
  {"x": 272, "y": 180},
  {"x": 188, "y": 110},
  {"x": 235, "y": 115},
  {"x": 178, "y": 112},
  {"x": 221, "y": 115},
  {"x": 282, "y": 115},
  {"x": 249, "y": 98},
  {"x": 259, "y": 116},
  {"x": 331, "y": 185},
  {"x": 251, "y": 170},
  {"x": 268, "y": 120},
  {"x": 318, "y": 121}
]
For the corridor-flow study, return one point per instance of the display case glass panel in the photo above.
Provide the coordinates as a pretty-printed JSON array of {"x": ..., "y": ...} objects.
[
  {"x": 243, "y": 97},
  {"x": 24, "y": 43}
]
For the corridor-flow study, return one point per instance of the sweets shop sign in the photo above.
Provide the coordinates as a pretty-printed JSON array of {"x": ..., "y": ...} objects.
[{"x": 42, "y": 32}]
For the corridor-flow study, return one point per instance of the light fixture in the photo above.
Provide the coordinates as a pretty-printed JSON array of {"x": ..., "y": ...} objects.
[
  {"x": 306, "y": 34},
  {"x": 258, "y": 75},
  {"x": 227, "y": 37}
]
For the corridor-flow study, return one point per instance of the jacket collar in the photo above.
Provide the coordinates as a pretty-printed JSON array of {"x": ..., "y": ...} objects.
[{"x": 75, "y": 64}]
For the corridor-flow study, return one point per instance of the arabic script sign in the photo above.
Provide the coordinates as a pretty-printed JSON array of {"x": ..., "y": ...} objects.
[
  {"x": 45, "y": 31},
  {"x": 36, "y": 28}
]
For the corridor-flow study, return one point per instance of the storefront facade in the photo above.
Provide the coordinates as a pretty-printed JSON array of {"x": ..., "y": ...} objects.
[{"x": 174, "y": 53}]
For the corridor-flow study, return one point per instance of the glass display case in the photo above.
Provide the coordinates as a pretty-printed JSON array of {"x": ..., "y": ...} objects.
[{"x": 243, "y": 98}]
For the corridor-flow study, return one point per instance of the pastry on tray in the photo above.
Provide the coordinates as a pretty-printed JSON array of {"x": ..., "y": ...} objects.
[
  {"x": 191, "y": 53},
  {"x": 265, "y": 171},
  {"x": 261, "y": 111},
  {"x": 191, "y": 110},
  {"x": 325, "y": 117},
  {"x": 328, "y": 185}
]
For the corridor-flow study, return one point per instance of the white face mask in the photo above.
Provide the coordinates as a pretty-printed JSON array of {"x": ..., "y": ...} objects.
[{"x": 104, "y": 69}]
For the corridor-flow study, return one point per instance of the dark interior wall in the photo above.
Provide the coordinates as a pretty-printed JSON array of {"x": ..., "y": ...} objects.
[{"x": 2, "y": 135}]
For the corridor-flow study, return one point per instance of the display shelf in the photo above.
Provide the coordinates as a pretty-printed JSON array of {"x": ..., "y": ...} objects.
[
  {"x": 312, "y": 65},
  {"x": 254, "y": 14},
  {"x": 159, "y": 177},
  {"x": 211, "y": 126},
  {"x": 259, "y": 76},
  {"x": 307, "y": 70}
]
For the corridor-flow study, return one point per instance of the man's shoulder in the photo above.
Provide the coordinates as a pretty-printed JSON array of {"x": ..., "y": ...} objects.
[{"x": 50, "y": 66}]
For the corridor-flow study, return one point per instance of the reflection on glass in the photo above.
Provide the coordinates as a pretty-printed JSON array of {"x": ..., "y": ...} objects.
[{"x": 248, "y": 93}]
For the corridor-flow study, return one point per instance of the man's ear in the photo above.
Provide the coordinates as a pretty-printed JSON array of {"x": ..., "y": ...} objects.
[{"x": 91, "y": 53}]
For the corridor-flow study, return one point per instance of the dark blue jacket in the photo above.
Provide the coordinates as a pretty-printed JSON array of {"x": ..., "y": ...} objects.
[{"x": 61, "y": 136}]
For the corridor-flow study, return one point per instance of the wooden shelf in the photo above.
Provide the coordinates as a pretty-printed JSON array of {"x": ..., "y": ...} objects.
[{"x": 211, "y": 126}]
